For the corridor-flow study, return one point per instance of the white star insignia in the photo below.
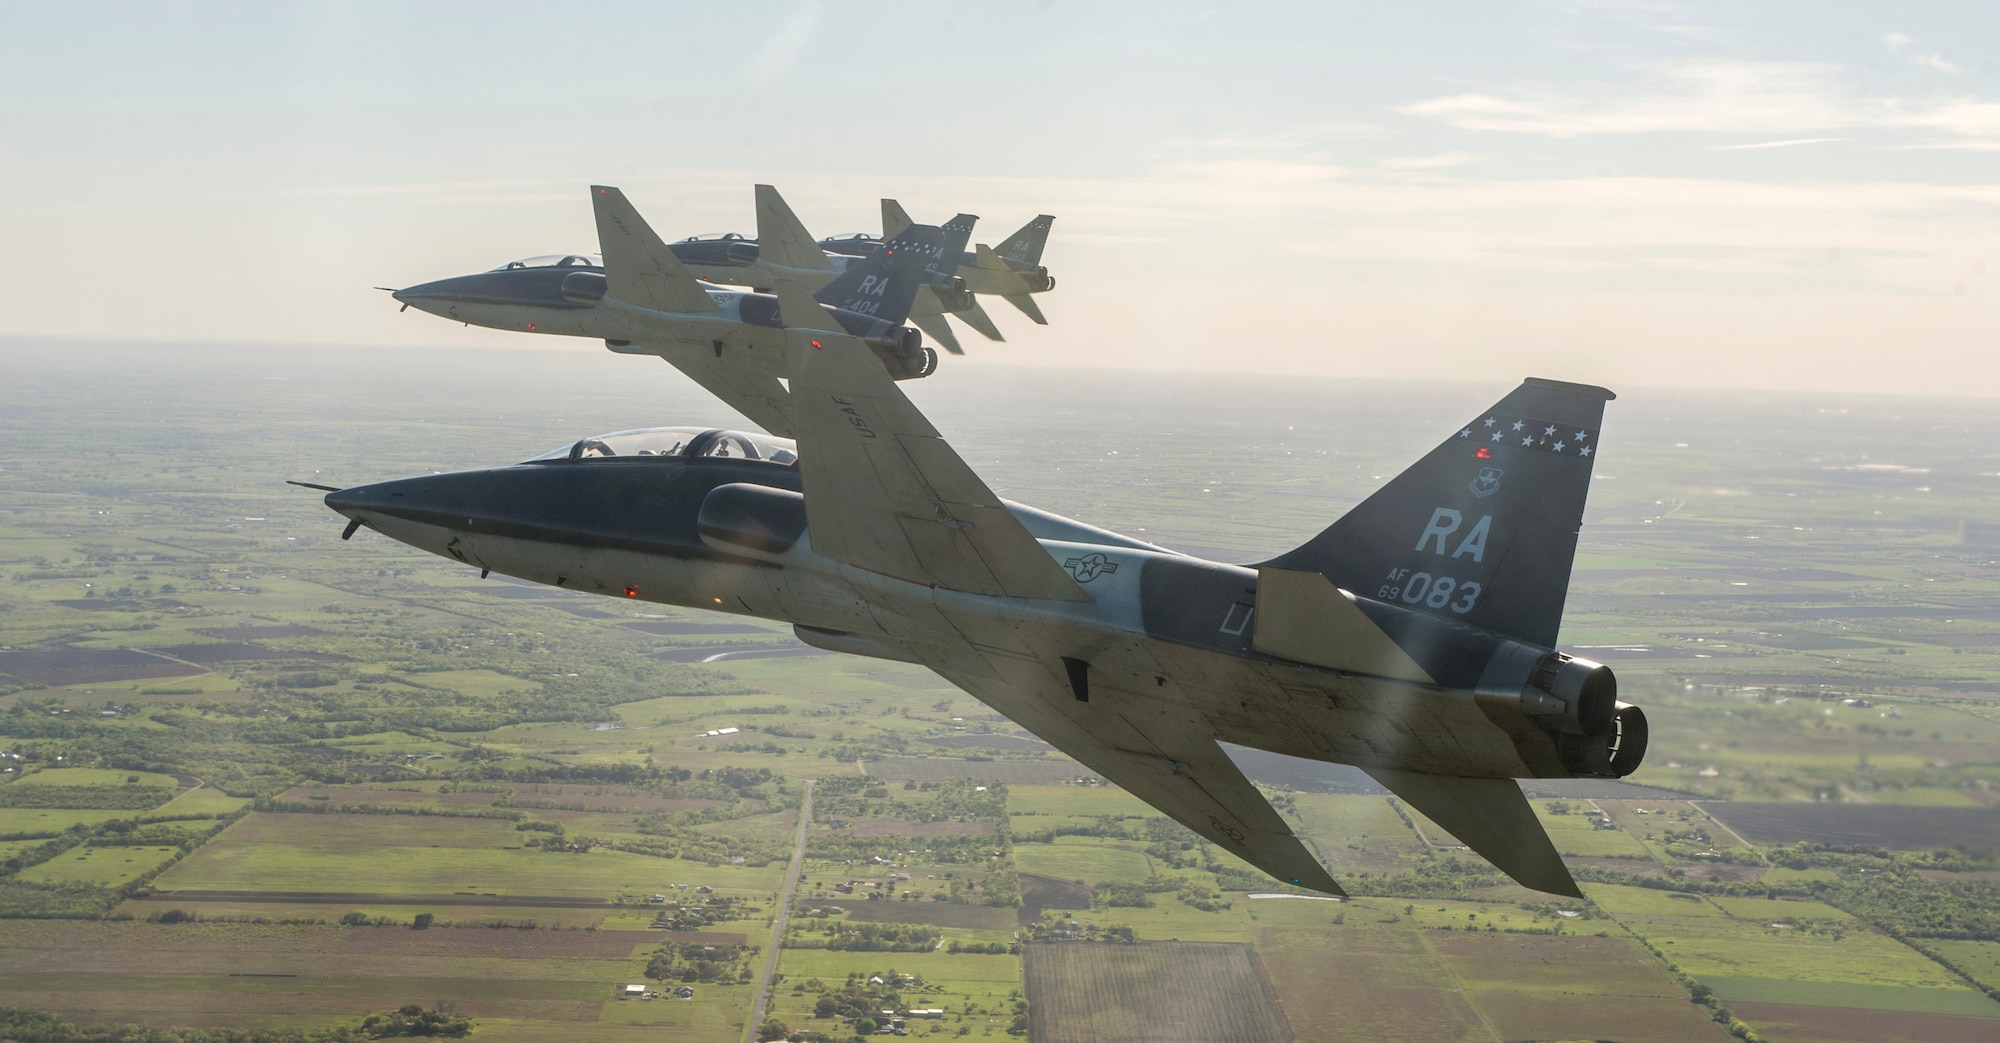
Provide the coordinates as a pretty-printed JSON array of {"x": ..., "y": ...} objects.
[
  {"x": 1517, "y": 425},
  {"x": 1527, "y": 441},
  {"x": 1558, "y": 447},
  {"x": 1581, "y": 435},
  {"x": 1489, "y": 421},
  {"x": 1549, "y": 430},
  {"x": 1585, "y": 451},
  {"x": 1467, "y": 433},
  {"x": 1496, "y": 436}
]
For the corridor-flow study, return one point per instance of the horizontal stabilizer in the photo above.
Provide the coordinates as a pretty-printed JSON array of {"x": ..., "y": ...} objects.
[
  {"x": 984, "y": 257},
  {"x": 1490, "y": 816},
  {"x": 638, "y": 268},
  {"x": 1303, "y": 617},
  {"x": 932, "y": 323},
  {"x": 977, "y": 318},
  {"x": 1028, "y": 307}
]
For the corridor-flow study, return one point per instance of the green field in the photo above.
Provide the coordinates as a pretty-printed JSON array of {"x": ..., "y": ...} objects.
[
  {"x": 376, "y": 675},
  {"x": 103, "y": 866},
  {"x": 407, "y": 854}
]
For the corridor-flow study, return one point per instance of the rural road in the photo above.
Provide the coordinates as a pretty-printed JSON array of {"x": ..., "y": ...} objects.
[{"x": 778, "y": 920}]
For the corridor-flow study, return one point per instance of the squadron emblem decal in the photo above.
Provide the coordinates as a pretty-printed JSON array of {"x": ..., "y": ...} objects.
[
  {"x": 1487, "y": 483},
  {"x": 1090, "y": 566}
]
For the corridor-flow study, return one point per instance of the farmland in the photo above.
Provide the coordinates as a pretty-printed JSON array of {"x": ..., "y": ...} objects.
[
  {"x": 1169, "y": 991},
  {"x": 240, "y": 747}
]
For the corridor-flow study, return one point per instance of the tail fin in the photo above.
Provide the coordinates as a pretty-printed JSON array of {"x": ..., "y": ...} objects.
[
  {"x": 894, "y": 219},
  {"x": 885, "y": 285},
  {"x": 781, "y": 239},
  {"x": 1025, "y": 246},
  {"x": 1484, "y": 528},
  {"x": 957, "y": 233}
]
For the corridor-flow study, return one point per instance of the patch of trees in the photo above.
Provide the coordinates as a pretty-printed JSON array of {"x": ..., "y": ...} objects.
[
  {"x": 96, "y": 798},
  {"x": 954, "y": 800},
  {"x": 700, "y": 962},
  {"x": 867, "y": 937},
  {"x": 25, "y": 1025},
  {"x": 1434, "y": 877},
  {"x": 1127, "y": 895}
]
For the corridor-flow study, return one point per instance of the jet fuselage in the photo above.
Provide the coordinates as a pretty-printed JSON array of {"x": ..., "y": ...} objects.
[
  {"x": 728, "y": 534},
  {"x": 568, "y": 299}
]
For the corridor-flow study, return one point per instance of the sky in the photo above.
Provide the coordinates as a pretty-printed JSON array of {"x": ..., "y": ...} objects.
[{"x": 1794, "y": 196}]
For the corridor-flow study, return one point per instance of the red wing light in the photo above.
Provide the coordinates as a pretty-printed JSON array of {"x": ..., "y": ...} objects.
[
  {"x": 815, "y": 344},
  {"x": 531, "y": 327},
  {"x": 1484, "y": 453},
  {"x": 631, "y": 592}
]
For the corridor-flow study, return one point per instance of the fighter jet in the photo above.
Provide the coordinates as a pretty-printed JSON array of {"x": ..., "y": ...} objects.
[
  {"x": 1012, "y": 271},
  {"x": 639, "y": 299},
  {"x": 1415, "y": 637}
]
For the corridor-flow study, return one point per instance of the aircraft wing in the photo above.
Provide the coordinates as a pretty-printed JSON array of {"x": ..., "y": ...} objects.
[
  {"x": 1168, "y": 760},
  {"x": 638, "y": 267},
  {"x": 885, "y": 492},
  {"x": 782, "y": 239},
  {"x": 755, "y": 395}
]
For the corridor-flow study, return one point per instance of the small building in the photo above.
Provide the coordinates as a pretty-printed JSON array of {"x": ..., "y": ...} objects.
[
  {"x": 684, "y": 993},
  {"x": 927, "y": 1012},
  {"x": 634, "y": 990}
]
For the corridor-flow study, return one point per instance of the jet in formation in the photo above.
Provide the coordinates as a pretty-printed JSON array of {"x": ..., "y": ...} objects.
[
  {"x": 1414, "y": 638},
  {"x": 642, "y": 295},
  {"x": 639, "y": 298}
]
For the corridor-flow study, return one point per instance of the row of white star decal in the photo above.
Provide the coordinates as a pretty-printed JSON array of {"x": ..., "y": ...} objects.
[{"x": 1498, "y": 428}]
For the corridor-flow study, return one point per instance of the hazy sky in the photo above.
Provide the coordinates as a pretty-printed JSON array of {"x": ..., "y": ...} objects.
[{"x": 1780, "y": 195}]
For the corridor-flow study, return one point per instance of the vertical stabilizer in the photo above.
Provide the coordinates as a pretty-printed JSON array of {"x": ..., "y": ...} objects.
[
  {"x": 885, "y": 285},
  {"x": 1025, "y": 246},
  {"x": 1482, "y": 530}
]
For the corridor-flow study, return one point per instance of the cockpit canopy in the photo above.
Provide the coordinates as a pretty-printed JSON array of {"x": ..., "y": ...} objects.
[
  {"x": 654, "y": 443},
  {"x": 554, "y": 261},
  {"x": 717, "y": 237}
]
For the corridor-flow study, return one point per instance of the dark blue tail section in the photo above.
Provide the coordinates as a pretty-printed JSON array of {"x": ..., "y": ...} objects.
[
  {"x": 1025, "y": 246},
  {"x": 1484, "y": 528},
  {"x": 885, "y": 283}
]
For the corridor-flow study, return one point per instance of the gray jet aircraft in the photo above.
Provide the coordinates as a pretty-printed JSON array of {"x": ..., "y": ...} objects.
[
  {"x": 1414, "y": 638},
  {"x": 639, "y": 299}
]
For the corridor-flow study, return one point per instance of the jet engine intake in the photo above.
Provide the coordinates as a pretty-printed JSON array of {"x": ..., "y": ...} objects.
[
  {"x": 741, "y": 253},
  {"x": 755, "y": 521},
  {"x": 584, "y": 287}
]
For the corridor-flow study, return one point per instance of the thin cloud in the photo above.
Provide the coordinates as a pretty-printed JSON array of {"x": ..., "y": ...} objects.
[
  {"x": 1899, "y": 45},
  {"x": 1787, "y": 143},
  {"x": 787, "y": 42},
  {"x": 1708, "y": 97},
  {"x": 1436, "y": 162}
]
